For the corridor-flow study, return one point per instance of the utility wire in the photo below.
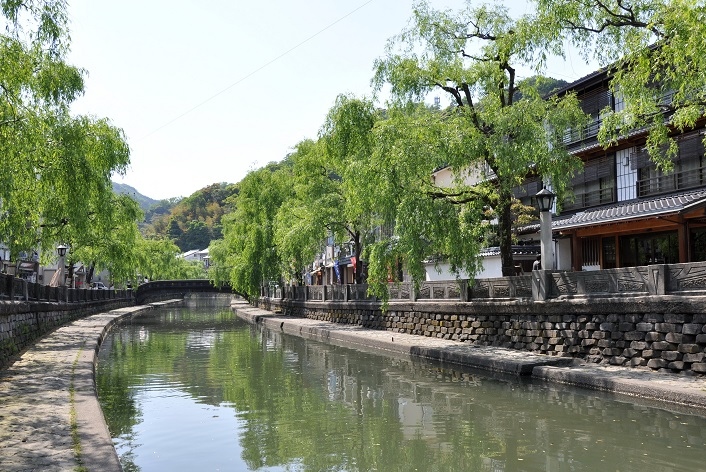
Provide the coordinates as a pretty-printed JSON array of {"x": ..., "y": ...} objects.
[{"x": 256, "y": 70}]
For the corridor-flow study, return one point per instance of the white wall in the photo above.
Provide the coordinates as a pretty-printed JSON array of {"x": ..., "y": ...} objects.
[
  {"x": 445, "y": 274},
  {"x": 562, "y": 252},
  {"x": 626, "y": 178},
  {"x": 491, "y": 269}
]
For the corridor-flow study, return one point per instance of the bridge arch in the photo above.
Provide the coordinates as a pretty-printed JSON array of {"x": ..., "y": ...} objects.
[{"x": 166, "y": 289}]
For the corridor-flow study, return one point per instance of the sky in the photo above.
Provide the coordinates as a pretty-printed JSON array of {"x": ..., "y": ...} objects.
[{"x": 207, "y": 90}]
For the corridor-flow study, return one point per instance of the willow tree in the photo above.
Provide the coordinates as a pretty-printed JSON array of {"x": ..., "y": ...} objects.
[
  {"x": 248, "y": 250},
  {"x": 329, "y": 198},
  {"x": 55, "y": 181},
  {"x": 472, "y": 57},
  {"x": 655, "y": 51}
]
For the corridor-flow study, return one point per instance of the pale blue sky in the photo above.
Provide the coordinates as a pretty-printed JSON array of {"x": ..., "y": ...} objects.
[{"x": 207, "y": 90}]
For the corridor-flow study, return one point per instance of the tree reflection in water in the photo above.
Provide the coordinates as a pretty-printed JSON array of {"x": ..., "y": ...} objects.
[{"x": 283, "y": 403}]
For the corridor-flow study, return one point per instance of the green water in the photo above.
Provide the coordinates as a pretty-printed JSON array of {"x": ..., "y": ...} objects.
[{"x": 200, "y": 390}]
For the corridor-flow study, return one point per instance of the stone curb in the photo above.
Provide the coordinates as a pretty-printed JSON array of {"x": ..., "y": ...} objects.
[
  {"x": 35, "y": 400},
  {"x": 635, "y": 382}
]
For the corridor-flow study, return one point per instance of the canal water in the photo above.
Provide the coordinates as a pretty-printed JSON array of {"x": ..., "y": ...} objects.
[{"x": 200, "y": 390}]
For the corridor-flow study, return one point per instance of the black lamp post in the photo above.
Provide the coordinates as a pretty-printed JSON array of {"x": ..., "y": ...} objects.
[{"x": 545, "y": 201}]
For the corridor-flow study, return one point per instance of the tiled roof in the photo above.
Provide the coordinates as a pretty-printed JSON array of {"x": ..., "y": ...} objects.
[
  {"x": 517, "y": 250},
  {"x": 632, "y": 210}
]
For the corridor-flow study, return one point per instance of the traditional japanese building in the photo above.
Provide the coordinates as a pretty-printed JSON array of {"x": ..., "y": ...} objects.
[{"x": 624, "y": 211}]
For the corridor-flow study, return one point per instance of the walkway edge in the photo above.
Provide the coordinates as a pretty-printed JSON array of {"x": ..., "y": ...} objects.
[
  {"x": 97, "y": 450},
  {"x": 664, "y": 388},
  {"x": 50, "y": 417}
]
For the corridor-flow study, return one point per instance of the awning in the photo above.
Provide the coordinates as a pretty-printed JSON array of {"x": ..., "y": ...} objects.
[{"x": 660, "y": 206}]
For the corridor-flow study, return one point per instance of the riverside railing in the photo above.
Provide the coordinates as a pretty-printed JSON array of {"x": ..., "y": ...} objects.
[
  {"x": 17, "y": 289},
  {"x": 659, "y": 279}
]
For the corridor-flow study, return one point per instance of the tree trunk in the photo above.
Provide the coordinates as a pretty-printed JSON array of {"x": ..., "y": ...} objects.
[
  {"x": 505, "y": 231},
  {"x": 357, "y": 267}
]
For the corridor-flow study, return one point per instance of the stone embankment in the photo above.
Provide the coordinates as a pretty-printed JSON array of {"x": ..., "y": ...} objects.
[
  {"x": 663, "y": 333},
  {"x": 663, "y": 386},
  {"x": 50, "y": 418}
]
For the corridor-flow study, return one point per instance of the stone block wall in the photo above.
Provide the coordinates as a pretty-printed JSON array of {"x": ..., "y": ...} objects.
[
  {"x": 656, "y": 332},
  {"x": 21, "y": 323}
]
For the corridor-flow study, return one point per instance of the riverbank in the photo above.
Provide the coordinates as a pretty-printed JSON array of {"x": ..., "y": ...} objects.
[
  {"x": 50, "y": 418},
  {"x": 669, "y": 389}
]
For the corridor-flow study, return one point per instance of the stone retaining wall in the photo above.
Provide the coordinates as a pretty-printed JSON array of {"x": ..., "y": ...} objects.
[
  {"x": 659, "y": 332},
  {"x": 21, "y": 323}
]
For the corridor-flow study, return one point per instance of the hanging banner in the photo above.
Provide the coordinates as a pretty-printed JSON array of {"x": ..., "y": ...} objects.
[{"x": 338, "y": 271}]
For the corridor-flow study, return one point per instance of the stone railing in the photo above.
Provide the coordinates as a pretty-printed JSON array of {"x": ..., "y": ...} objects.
[
  {"x": 159, "y": 290},
  {"x": 16, "y": 289},
  {"x": 661, "y": 279}
]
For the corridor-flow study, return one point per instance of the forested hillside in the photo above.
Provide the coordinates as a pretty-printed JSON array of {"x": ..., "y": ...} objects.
[{"x": 190, "y": 222}]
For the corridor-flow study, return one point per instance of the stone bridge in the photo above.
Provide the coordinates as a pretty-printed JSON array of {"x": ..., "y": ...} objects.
[{"x": 166, "y": 289}]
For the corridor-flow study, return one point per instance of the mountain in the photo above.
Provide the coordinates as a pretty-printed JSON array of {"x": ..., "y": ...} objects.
[
  {"x": 145, "y": 202},
  {"x": 191, "y": 222}
]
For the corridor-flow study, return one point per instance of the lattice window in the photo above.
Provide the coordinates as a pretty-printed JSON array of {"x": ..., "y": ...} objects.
[
  {"x": 688, "y": 172},
  {"x": 591, "y": 248},
  {"x": 595, "y": 185}
]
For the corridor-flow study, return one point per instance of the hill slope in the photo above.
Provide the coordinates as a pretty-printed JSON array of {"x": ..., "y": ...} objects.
[{"x": 144, "y": 201}]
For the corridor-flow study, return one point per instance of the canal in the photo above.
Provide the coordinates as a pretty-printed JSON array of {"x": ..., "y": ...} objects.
[{"x": 197, "y": 389}]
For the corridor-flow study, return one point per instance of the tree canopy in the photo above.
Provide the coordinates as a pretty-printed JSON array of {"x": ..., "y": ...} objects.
[
  {"x": 55, "y": 183},
  {"x": 329, "y": 187},
  {"x": 472, "y": 56},
  {"x": 248, "y": 256},
  {"x": 654, "y": 50}
]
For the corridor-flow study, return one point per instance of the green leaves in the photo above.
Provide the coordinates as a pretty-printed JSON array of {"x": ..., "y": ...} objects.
[
  {"x": 655, "y": 49},
  {"x": 55, "y": 185},
  {"x": 490, "y": 133}
]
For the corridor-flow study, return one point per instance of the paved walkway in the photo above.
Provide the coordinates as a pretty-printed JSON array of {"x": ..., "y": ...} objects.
[
  {"x": 666, "y": 388},
  {"x": 50, "y": 418}
]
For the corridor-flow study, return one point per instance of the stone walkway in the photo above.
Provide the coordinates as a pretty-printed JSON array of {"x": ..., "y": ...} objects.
[
  {"x": 666, "y": 388},
  {"x": 50, "y": 418}
]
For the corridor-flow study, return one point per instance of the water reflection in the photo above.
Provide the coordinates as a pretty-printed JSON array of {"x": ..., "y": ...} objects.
[{"x": 201, "y": 390}]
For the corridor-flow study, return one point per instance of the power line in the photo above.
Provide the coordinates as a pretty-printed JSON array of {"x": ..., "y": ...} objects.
[{"x": 256, "y": 70}]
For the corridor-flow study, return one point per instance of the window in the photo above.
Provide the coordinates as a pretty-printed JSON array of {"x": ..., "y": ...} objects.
[
  {"x": 590, "y": 251},
  {"x": 688, "y": 168},
  {"x": 526, "y": 192},
  {"x": 592, "y": 103},
  {"x": 662, "y": 248},
  {"x": 698, "y": 245},
  {"x": 594, "y": 186}
]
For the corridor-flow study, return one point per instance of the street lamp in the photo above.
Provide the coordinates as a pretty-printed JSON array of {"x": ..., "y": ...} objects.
[
  {"x": 545, "y": 200},
  {"x": 61, "y": 251}
]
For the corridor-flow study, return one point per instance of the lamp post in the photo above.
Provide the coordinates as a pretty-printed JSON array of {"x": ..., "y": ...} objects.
[
  {"x": 61, "y": 251},
  {"x": 545, "y": 200}
]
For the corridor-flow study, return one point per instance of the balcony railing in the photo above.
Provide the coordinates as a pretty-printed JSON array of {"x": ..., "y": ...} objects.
[
  {"x": 668, "y": 183},
  {"x": 602, "y": 196},
  {"x": 573, "y": 136}
]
